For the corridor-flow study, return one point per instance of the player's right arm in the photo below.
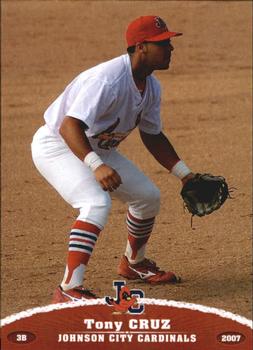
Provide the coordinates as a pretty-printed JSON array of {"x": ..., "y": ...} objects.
[{"x": 72, "y": 131}]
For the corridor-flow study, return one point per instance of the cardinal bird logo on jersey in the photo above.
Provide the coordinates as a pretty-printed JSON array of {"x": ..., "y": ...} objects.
[
  {"x": 108, "y": 138},
  {"x": 126, "y": 301}
]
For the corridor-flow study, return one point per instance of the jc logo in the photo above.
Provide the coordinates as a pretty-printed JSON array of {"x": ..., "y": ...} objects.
[{"x": 126, "y": 300}]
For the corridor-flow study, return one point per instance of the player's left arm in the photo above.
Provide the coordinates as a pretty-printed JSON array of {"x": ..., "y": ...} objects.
[
  {"x": 163, "y": 151},
  {"x": 201, "y": 193}
]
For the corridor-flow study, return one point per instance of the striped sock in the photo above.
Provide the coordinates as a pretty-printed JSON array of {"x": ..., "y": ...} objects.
[
  {"x": 138, "y": 234},
  {"x": 83, "y": 237}
]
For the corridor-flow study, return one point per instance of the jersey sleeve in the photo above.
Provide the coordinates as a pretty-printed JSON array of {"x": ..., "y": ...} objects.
[
  {"x": 89, "y": 100},
  {"x": 151, "y": 120}
]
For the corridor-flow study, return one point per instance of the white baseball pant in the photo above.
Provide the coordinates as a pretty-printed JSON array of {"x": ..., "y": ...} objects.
[{"x": 76, "y": 183}]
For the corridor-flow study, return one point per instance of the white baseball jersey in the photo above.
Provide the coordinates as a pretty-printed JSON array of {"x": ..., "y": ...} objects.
[{"x": 107, "y": 100}]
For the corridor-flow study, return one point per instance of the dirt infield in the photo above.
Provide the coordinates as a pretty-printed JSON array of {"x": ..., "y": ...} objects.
[{"x": 206, "y": 111}]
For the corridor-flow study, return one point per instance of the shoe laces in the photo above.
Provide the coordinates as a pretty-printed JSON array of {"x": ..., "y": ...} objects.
[{"x": 151, "y": 265}]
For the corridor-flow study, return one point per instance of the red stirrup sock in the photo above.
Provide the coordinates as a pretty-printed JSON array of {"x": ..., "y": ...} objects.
[
  {"x": 83, "y": 237},
  {"x": 139, "y": 231}
]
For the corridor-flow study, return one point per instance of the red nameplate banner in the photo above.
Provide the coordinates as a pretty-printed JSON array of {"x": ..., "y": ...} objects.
[{"x": 110, "y": 324}]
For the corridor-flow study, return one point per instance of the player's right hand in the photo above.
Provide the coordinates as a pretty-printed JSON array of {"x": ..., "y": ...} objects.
[{"x": 108, "y": 178}]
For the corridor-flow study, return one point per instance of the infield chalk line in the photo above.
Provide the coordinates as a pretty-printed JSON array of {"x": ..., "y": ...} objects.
[{"x": 147, "y": 301}]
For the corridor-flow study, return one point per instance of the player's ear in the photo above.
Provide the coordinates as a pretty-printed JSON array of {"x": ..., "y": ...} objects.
[{"x": 141, "y": 47}]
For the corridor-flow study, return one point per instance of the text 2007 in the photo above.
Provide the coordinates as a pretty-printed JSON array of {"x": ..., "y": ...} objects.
[{"x": 235, "y": 338}]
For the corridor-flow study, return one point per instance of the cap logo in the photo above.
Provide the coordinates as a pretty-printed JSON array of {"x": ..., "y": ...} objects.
[{"x": 160, "y": 23}]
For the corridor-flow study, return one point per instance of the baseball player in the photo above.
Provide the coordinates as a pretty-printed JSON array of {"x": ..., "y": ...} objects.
[{"x": 76, "y": 152}]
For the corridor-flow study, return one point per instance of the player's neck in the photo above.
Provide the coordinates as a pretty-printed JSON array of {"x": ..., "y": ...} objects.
[
  {"x": 140, "y": 73},
  {"x": 140, "y": 84}
]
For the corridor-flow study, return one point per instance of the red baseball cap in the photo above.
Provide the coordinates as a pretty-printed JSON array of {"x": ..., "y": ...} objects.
[{"x": 148, "y": 28}]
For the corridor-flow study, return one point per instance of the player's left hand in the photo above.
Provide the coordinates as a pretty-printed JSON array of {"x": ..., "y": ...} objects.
[
  {"x": 187, "y": 177},
  {"x": 204, "y": 193}
]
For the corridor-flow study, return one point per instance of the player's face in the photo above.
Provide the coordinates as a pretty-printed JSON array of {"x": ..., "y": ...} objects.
[{"x": 158, "y": 54}]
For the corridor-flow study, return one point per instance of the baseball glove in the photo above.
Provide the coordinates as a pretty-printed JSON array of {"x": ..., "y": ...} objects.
[{"x": 204, "y": 193}]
